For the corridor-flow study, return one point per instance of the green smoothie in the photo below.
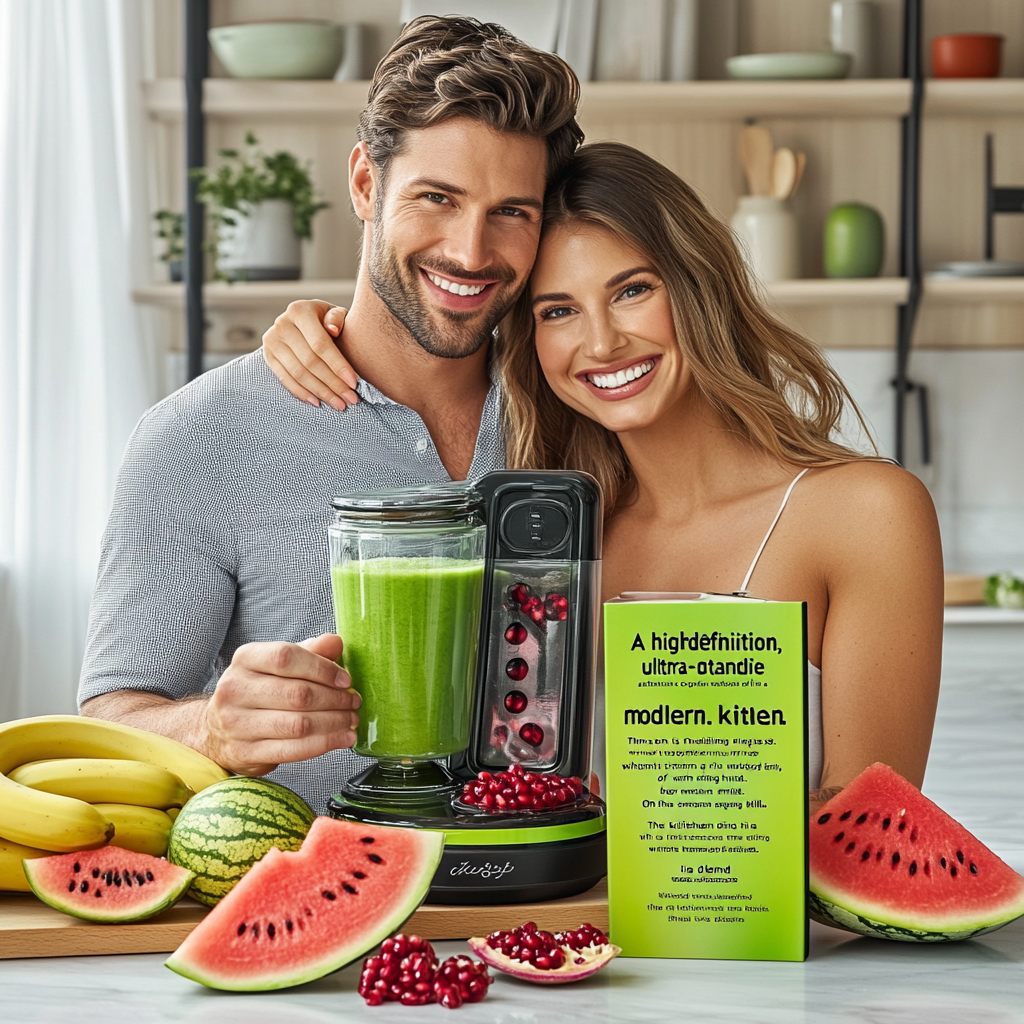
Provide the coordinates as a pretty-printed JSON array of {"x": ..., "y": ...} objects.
[{"x": 410, "y": 628}]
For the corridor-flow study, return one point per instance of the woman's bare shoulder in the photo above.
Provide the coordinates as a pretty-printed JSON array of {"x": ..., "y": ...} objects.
[{"x": 872, "y": 509}]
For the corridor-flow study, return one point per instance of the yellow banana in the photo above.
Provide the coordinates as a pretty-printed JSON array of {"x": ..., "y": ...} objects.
[
  {"x": 142, "y": 829},
  {"x": 58, "y": 823},
  {"x": 172, "y": 813},
  {"x": 63, "y": 736},
  {"x": 12, "y": 874},
  {"x": 105, "y": 780}
]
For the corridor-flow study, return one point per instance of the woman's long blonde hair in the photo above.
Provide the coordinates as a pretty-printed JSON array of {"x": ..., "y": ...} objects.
[{"x": 769, "y": 384}]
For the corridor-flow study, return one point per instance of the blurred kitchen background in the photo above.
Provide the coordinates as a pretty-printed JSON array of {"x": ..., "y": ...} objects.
[{"x": 93, "y": 189}]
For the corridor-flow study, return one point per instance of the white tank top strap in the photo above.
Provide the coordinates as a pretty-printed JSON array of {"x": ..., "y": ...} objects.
[{"x": 742, "y": 592}]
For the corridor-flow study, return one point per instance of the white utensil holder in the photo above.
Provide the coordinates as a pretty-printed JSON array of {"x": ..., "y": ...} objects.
[{"x": 767, "y": 233}]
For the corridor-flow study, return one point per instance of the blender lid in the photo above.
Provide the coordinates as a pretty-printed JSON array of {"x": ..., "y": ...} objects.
[{"x": 437, "y": 502}]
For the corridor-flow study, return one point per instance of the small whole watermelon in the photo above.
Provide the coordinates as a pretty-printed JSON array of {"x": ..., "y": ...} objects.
[{"x": 222, "y": 831}]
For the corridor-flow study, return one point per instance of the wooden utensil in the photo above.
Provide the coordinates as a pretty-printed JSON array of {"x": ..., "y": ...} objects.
[
  {"x": 801, "y": 163},
  {"x": 783, "y": 173},
  {"x": 756, "y": 151}
]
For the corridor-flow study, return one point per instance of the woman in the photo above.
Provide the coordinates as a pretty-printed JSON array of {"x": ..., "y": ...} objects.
[{"x": 640, "y": 353}]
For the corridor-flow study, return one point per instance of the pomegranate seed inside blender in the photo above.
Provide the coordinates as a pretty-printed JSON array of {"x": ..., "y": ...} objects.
[
  {"x": 516, "y": 634},
  {"x": 517, "y": 790},
  {"x": 532, "y": 733},
  {"x": 517, "y": 669},
  {"x": 515, "y": 702}
]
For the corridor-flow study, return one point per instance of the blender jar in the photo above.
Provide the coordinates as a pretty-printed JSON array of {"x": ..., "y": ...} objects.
[{"x": 407, "y": 570}]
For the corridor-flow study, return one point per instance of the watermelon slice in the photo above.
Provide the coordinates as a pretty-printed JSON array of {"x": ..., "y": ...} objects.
[
  {"x": 109, "y": 885},
  {"x": 889, "y": 863},
  {"x": 297, "y": 916}
]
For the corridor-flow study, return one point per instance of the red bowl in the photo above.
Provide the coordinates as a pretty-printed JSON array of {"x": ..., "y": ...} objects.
[{"x": 966, "y": 56}]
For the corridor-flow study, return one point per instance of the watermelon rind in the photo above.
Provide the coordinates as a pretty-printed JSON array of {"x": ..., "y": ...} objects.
[
  {"x": 222, "y": 831},
  {"x": 825, "y": 912},
  {"x": 187, "y": 959},
  {"x": 162, "y": 893}
]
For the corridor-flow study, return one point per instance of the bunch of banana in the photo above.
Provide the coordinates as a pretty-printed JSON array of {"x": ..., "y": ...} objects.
[{"x": 61, "y": 777}]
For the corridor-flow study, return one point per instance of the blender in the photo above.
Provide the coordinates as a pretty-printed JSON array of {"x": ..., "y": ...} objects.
[{"x": 469, "y": 615}]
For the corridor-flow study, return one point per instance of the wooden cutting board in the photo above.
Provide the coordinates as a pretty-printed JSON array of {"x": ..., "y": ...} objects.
[{"x": 30, "y": 928}]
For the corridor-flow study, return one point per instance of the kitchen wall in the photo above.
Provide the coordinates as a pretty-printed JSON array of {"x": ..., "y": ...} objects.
[{"x": 976, "y": 395}]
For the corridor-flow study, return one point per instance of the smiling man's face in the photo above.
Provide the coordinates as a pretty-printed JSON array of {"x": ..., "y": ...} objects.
[{"x": 455, "y": 231}]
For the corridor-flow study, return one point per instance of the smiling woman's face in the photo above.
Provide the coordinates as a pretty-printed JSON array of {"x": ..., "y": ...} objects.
[{"x": 603, "y": 329}]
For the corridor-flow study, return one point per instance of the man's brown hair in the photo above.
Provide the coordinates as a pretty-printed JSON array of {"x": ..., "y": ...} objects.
[{"x": 440, "y": 68}]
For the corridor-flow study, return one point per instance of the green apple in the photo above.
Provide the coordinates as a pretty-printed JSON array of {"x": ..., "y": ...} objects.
[{"x": 854, "y": 241}]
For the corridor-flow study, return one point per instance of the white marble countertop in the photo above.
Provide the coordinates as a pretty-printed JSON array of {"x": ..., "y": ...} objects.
[{"x": 975, "y": 773}]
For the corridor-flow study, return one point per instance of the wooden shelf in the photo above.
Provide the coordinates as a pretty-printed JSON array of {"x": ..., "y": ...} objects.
[
  {"x": 234, "y": 97},
  {"x": 244, "y": 295},
  {"x": 868, "y": 291},
  {"x": 230, "y": 97},
  {"x": 870, "y": 97},
  {"x": 967, "y": 96},
  {"x": 975, "y": 289}
]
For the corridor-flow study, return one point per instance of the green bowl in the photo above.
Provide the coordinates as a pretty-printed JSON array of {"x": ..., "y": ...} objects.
[
  {"x": 789, "y": 65},
  {"x": 279, "y": 49}
]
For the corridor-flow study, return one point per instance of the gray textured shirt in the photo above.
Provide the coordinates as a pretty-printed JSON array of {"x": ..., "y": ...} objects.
[{"x": 218, "y": 532}]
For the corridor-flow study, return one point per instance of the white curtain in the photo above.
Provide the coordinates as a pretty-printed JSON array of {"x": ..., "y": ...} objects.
[{"x": 77, "y": 360}]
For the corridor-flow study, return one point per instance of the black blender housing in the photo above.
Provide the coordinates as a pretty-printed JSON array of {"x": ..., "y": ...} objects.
[{"x": 542, "y": 526}]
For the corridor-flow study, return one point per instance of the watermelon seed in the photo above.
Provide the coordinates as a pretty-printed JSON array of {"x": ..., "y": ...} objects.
[
  {"x": 78, "y": 867},
  {"x": 108, "y": 877},
  {"x": 960, "y": 856},
  {"x": 903, "y": 825},
  {"x": 913, "y": 867},
  {"x": 140, "y": 880},
  {"x": 895, "y": 858},
  {"x": 952, "y": 871},
  {"x": 95, "y": 872},
  {"x": 72, "y": 885},
  {"x": 366, "y": 839},
  {"x": 862, "y": 818},
  {"x": 117, "y": 881},
  {"x": 99, "y": 893},
  {"x": 824, "y": 818},
  {"x": 271, "y": 930},
  {"x": 350, "y": 889},
  {"x": 309, "y": 913},
  {"x": 913, "y": 835},
  {"x": 358, "y": 874},
  {"x": 849, "y": 847},
  {"x": 149, "y": 876},
  {"x": 84, "y": 887},
  {"x": 289, "y": 925},
  {"x": 844, "y": 816},
  {"x": 866, "y": 855},
  {"x": 328, "y": 895},
  {"x": 942, "y": 861},
  {"x": 255, "y": 932},
  {"x": 927, "y": 868},
  {"x": 886, "y": 822},
  {"x": 839, "y": 837},
  {"x": 375, "y": 858},
  {"x": 241, "y": 928},
  {"x": 974, "y": 868},
  {"x": 128, "y": 879}
]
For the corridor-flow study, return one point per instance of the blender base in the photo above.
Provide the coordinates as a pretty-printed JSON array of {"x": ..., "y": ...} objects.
[{"x": 506, "y": 858}]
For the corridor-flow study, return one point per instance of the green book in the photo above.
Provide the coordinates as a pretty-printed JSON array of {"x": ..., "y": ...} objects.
[{"x": 706, "y": 721}]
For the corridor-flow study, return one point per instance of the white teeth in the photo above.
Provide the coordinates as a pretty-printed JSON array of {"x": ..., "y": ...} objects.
[
  {"x": 453, "y": 288},
  {"x": 617, "y": 380}
]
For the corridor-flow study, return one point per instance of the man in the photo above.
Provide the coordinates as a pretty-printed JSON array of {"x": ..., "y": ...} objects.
[{"x": 214, "y": 564}]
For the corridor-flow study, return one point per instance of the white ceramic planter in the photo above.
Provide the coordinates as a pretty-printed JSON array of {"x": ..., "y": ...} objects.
[
  {"x": 262, "y": 245},
  {"x": 767, "y": 232}
]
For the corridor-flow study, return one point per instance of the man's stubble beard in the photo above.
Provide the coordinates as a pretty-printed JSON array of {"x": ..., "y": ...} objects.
[{"x": 447, "y": 333}]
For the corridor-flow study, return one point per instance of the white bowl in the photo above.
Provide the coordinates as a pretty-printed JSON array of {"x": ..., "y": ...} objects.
[
  {"x": 279, "y": 49},
  {"x": 790, "y": 65}
]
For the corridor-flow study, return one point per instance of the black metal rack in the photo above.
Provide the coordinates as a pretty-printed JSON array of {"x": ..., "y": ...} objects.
[
  {"x": 197, "y": 23},
  {"x": 910, "y": 236}
]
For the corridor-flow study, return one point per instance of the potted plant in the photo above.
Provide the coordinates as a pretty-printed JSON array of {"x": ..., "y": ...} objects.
[
  {"x": 261, "y": 206},
  {"x": 170, "y": 229}
]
